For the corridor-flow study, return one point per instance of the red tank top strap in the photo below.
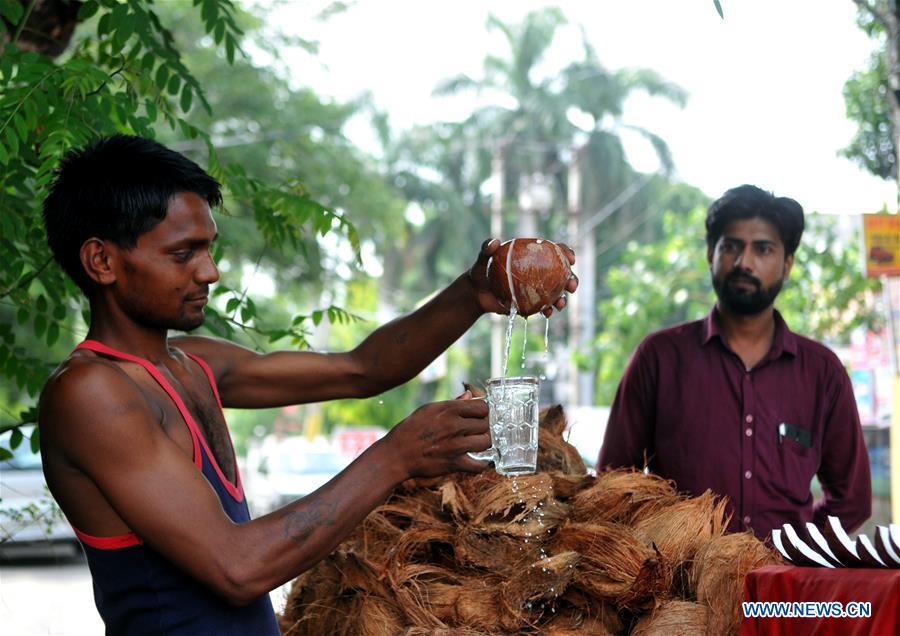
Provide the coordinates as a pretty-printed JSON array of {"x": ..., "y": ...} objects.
[
  {"x": 99, "y": 347},
  {"x": 235, "y": 490},
  {"x": 108, "y": 543}
]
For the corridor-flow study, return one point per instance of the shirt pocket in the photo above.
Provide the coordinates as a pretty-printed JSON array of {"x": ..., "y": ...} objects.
[{"x": 798, "y": 466}]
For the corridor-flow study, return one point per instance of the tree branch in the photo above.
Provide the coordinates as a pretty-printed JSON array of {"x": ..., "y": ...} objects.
[
  {"x": 25, "y": 17},
  {"x": 25, "y": 280}
]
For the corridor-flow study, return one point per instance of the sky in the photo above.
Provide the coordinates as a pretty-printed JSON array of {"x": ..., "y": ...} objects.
[{"x": 765, "y": 84}]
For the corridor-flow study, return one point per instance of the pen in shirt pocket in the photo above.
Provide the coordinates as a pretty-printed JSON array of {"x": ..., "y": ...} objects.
[{"x": 796, "y": 433}]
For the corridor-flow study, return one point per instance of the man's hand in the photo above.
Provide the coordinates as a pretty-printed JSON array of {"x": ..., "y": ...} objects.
[
  {"x": 490, "y": 303},
  {"x": 435, "y": 438}
]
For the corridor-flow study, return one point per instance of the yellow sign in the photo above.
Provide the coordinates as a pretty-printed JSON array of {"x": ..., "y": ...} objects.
[{"x": 881, "y": 241}]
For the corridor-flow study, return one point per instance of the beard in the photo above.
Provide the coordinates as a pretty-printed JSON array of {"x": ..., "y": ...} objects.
[
  {"x": 745, "y": 302},
  {"x": 148, "y": 314}
]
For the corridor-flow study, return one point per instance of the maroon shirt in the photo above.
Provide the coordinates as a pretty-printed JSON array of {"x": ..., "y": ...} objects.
[{"x": 689, "y": 406}]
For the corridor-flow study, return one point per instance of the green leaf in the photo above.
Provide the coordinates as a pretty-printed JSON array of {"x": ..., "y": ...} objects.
[
  {"x": 187, "y": 96},
  {"x": 15, "y": 438},
  {"x": 36, "y": 440},
  {"x": 719, "y": 8},
  {"x": 41, "y": 303},
  {"x": 87, "y": 10},
  {"x": 317, "y": 317},
  {"x": 104, "y": 25},
  {"x": 232, "y": 304},
  {"x": 40, "y": 325},
  {"x": 5, "y": 454},
  {"x": 229, "y": 49},
  {"x": 174, "y": 85},
  {"x": 12, "y": 11},
  {"x": 52, "y": 333},
  {"x": 4, "y": 157},
  {"x": 162, "y": 75}
]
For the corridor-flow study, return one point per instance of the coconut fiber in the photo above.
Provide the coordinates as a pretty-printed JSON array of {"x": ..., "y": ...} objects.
[{"x": 558, "y": 552}]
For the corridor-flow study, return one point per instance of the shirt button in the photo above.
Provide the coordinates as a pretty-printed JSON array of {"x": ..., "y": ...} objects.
[
  {"x": 749, "y": 432},
  {"x": 748, "y": 419},
  {"x": 747, "y": 520},
  {"x": 748, "y": 475}
]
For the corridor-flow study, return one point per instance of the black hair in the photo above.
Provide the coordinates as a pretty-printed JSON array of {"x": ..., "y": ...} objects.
[
  {"x": 747, "y": 202},
  {"x": 116, "y": 189}
]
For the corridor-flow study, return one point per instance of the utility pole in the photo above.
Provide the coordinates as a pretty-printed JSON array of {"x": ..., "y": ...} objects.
[
  {"x": 573, "y": 310},
  {"x": 497, "y": 321}
]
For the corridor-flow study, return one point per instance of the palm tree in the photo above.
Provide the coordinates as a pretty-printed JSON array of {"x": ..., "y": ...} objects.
[{"x": 532, "y": 125}]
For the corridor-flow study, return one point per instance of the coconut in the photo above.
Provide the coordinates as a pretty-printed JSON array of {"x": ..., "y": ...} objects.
[
  {"x": 614, "y": 565},
  {"x": 553, "y": 452},
  {"x": 493, "y": 551},
  {"x": 618, "y": 495},
  {"x": 674, "y": 618},
  {"x": 574, "y": 622},
  {"x": 528, "y": 274},
  {"x": 718, "y": 576},
  {"x": 546, "y": 578},
  {"x": 523, "y": 507},
  {"x": 680, "y": 530}
]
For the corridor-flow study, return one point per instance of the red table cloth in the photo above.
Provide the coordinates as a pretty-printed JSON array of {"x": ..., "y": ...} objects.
[{"x": 790, "y": 584}]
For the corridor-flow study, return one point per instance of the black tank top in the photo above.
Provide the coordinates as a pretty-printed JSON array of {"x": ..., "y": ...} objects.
[{"x": 137, "y": 590}]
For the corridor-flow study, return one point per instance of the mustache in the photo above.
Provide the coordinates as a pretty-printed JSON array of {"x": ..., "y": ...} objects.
[
  {"x": 203, "y": 291},
  {"x": 740, "y": 277}
]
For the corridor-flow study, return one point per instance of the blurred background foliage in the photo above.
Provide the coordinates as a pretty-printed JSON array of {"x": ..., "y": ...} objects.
[{"x": 322, "y": 242}]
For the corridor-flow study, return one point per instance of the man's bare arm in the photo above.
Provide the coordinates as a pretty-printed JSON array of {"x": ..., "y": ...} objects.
[
  {"x": 390, "y": 356},
  {"x": 101, "y": 425}
]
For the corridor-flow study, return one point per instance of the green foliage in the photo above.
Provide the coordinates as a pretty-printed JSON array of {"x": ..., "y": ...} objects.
[
  {"x": 123, "y": 73},
  {"x": 868, "y": 101},
  {"x": 873, "y": 146}
]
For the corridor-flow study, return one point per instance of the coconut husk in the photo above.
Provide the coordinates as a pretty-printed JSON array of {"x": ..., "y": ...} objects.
[
  {"x": 474, "y": 486},
  {"x": 674, "y": 618},
  {"x": 523, "y": 507},
  {"x": 615, "y": 566},
  {"x": 574, "y": 622},
  {"x": 554, "y": 454},
  {"x": 477, "y": 606},
  {"x": 313, "y": 596},
  {"x": 377, "y": 616},
  {"x": 621, "y": 496},
  {"x": 376, "y": 537},
  {"x": 718, "y": 576},
  {"x": 456, "y": 631},
  {"x": 426, "y": 545},
  {"x": 680, "y": 530},
  {"x": 423, "y": 591},
  {"x": 565, "y": 487},
  {"x": 455, "y": 502},
  {"x": 493, "y": 551},
  {"x": 546, "y": 578},
  {"x": 594, "y": 611}
]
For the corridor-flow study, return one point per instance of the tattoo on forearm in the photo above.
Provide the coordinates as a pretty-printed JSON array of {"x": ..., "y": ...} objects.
[{"x": 298, "y": 525}]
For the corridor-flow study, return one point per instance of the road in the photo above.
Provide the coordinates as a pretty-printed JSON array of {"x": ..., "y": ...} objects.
[{"x": 53, "y": 597}]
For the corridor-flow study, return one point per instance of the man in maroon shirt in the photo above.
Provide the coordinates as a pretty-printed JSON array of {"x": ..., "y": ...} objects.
[{"x": 736, "y": 402}]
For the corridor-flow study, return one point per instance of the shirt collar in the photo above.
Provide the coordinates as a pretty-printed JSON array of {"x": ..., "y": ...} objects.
[{"x": 784, "y": 341}]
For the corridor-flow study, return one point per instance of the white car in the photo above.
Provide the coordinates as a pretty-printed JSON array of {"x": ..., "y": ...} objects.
[
  {"x": 289, "y": 469},
  {"x": 30, "y": 521}
]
